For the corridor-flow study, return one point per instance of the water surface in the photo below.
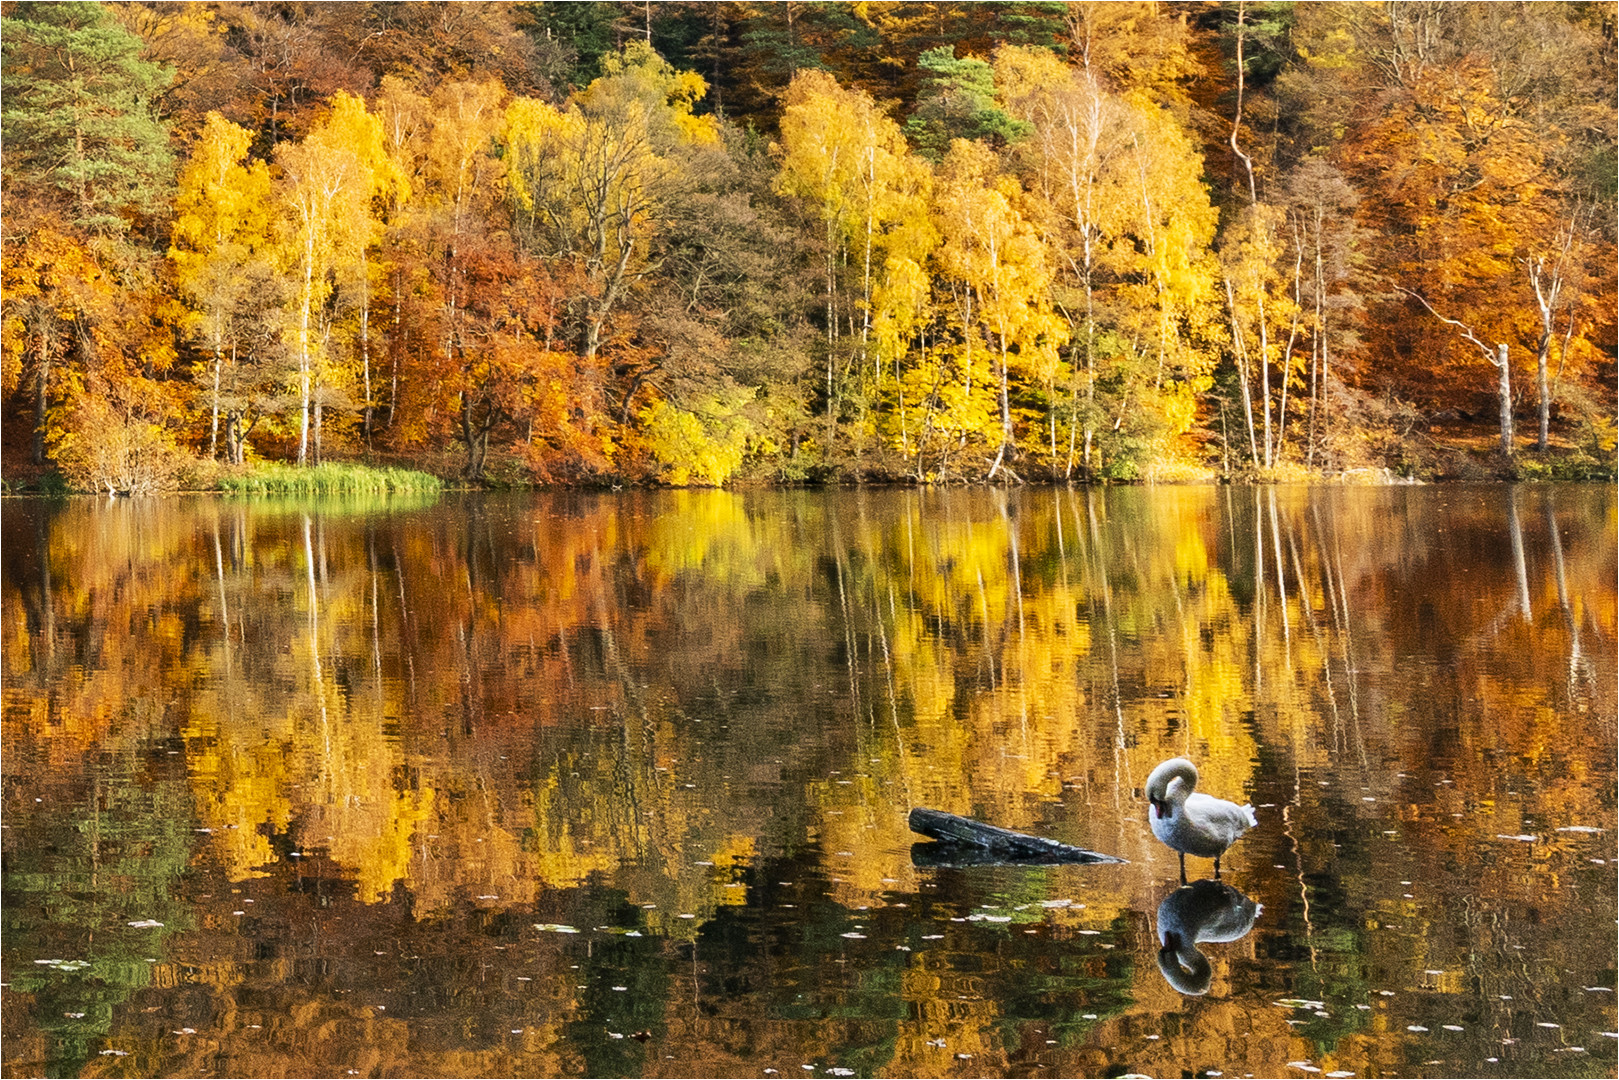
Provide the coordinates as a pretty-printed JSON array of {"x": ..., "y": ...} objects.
[{"x": 579, "y": 785}]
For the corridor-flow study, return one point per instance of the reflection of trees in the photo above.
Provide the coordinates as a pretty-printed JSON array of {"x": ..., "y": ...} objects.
[
  {"x": 484, "y": 694},
  {"x": 497, "y": 706},
  {"x": 107, "y": 856}
]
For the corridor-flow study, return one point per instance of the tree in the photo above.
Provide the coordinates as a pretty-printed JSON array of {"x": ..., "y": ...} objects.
[
  {"x": 1460, "y": 190},
  {"x": 590, "y": 182},
  {"x": 1555, "y": 277},
  {"x": 78, "y": 118},
  {"x": 1466, "y": 132},
  {"x": 221, "y": 244},
  {"x": 719, "y": 330},
  {"x": 848, "y": 163},
  {"x": 1131, "y": 45},
  {"x": 86, "y": 160},
  {"x": 1496, "y": 358},
  {"x": 329, "y": 179},
  {"x": 1321, "y": 207},
  {"x": 1114, "y": 186},
  {"x": 429, "y": 44},
  {"x": 58, "y": 301},
  {"x": 1257, "y": 306},
  {"x": 957, "y": 101},
  {"x": 999, "y": 262}
]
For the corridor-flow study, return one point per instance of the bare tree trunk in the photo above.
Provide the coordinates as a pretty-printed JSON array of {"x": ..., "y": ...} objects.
[
  {"x": 1504, "y": 389},
  {"x": 365, "y": 360},
  {"x": 1548, "y": 289},
  {"x": 213, "y": 434},
  {"x": 1292, "y": 337},
  {"x": 1497, "y": 358},
  {"x": 1236, "y": 120},
  {"x": 1006, "y": 415},
  {"x": 1264, "y": 375},
  {"x": 1545, "y": 392},
  {"x": 1242, "y": 371},
  {"x": 1318, "y": 347},
  {"x": 42, "y": 403},
  {"x": 303, "y": 353}
]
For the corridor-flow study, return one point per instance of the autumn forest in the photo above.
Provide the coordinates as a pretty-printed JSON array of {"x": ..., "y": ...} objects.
[{"x": 712, "y": 243}]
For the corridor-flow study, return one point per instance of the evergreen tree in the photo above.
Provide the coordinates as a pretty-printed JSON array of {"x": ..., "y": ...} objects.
[
  {"x": 77, "y": 118},
  {"x": 957, "y": 101}
]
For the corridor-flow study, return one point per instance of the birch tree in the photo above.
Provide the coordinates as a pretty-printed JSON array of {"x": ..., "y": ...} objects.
[{"x": 221, "y": 242}]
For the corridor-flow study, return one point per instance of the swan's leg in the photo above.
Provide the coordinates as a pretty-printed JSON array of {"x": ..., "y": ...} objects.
[
  {"x": 1217, "y": 868},
  {"x": 1183, "y": 867}
]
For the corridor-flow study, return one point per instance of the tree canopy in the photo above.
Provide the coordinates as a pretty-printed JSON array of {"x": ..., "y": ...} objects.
[{"x": 694, "y": 243}]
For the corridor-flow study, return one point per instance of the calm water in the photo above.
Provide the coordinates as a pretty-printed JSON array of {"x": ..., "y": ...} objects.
[{"x": 616, "y": 786}]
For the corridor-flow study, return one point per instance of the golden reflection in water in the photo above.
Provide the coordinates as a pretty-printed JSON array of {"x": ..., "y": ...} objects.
[{"x": 476, "y": 713}]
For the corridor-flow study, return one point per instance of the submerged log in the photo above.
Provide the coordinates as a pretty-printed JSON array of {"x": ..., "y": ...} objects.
[{"x": 965, "y": 842}]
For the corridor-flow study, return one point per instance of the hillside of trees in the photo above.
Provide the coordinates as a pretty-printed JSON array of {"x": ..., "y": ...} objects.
[{"x": 705, "y": 243}]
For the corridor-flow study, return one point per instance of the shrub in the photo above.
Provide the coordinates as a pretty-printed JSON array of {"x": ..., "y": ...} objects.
[{"x": 105, "y": 449}]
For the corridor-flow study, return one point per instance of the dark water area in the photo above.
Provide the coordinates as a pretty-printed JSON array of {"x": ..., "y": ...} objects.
[{"x": 617, "y": 785}]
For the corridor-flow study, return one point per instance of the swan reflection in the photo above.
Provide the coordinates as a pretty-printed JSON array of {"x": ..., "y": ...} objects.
[{"x": 1205, "y": 910}]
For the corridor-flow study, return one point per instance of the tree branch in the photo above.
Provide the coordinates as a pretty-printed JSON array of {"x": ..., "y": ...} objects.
[{"x": 1467, "y": 331}]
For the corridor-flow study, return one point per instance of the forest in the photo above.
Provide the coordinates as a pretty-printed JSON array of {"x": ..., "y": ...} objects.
[{"x": 699, "y": 244}]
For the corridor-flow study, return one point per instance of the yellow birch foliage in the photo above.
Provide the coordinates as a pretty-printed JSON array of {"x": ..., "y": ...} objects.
[
  {"x": 1114, "y": 185},
  {"x": 994, "y": 254},
  {"x": 222, "y": 219},
  {"x": 328, "y": 182}
]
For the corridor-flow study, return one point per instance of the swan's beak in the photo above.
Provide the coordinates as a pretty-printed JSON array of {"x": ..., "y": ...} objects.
[{"x": 1157, "y": 807}]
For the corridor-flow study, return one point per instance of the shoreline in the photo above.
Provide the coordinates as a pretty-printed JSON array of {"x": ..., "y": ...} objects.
[{"x": 1450, "y": 458}]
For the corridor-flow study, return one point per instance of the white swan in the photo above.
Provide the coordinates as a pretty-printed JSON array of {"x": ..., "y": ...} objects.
[{"x": 1191, "y": 822}]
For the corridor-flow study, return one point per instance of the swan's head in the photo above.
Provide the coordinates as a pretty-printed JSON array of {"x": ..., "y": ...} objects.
[
  {"x": 1170, "y": 783},
  {"x": 1184, "y": 967}
]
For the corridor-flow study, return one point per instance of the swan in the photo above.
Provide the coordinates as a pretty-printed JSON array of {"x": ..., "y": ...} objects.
[
  {"x": 1191, "y": 822},
  {"x": 1202, "y": 911}
]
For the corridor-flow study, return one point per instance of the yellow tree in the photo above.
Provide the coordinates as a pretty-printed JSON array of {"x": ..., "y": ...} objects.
[
  {"x": 1257, "y": 305},
  {"x": 1114, "y": 185},
  {"x": 328, "y": 182},
  {"x": 998, "y": 261},
  {"x": 221, "y": 238},
  {"x": 1078, "y": 196},
  {"x": 848, "y": 161},
  {"x": 902, "y": 310},
  {"x": 591, "y": 181},
  {"x": 461, "y": 180},
  {"x": 404, "y": 116}
]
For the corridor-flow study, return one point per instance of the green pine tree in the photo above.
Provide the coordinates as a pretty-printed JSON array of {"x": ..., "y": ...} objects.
[
  {"x": 77, "y": 117},
  {"x": 957, "y": 101}
]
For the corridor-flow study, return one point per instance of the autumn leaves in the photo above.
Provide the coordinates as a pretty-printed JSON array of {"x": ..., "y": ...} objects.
[
  {"x": 1150, "y": 246},
  {"x": 1024, "y": 312}
]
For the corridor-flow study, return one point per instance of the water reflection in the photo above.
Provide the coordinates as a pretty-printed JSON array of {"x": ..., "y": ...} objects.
[
  {"x": 1205, "y": 910},
  {"x": 296, "y": 789}
]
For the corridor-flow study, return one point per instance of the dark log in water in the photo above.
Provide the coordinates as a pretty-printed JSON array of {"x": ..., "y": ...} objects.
[{"x": 965, "y": 842}]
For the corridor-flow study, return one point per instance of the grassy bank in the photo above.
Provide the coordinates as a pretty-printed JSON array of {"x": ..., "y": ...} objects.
[{"x": 270, "y": 478}]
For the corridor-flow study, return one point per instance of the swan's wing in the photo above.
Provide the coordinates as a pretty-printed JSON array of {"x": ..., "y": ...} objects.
[{"x": 1224, "y": 819}]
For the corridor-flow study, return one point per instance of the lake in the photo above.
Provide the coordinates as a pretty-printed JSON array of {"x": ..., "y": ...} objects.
[{"x": 617, "y": 784}]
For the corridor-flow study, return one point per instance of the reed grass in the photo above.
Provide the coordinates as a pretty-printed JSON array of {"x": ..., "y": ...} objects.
[{"x": 271, "y": 478}]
